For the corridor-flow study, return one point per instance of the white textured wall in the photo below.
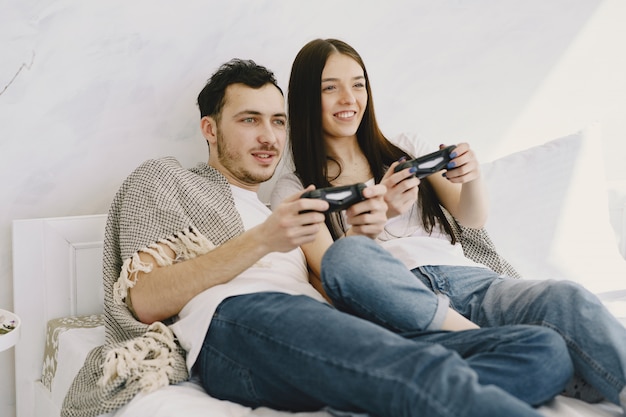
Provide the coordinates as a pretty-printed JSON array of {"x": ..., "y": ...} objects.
[{"x": 89, "y": 89}]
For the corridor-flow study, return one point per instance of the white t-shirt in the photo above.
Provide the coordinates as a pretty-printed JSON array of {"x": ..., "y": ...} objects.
[
  {"x": 277, "y": 272},
  {"x": 404, "y": 235}
]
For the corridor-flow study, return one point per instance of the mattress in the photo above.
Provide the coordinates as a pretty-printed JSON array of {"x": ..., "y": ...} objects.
[{"x": 69, "y": 340}]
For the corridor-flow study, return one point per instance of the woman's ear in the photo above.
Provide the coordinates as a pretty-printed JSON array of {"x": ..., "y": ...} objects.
[{"x": 208, "y": 125}]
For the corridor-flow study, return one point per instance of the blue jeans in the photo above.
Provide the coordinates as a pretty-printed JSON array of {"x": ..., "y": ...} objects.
[
  {"x": 294, "y": 353},
  {"x": 596, "y": 340}
]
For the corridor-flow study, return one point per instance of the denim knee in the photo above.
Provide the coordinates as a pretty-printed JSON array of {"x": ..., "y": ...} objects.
[
  {"x": 342, "y": 249},
  {"x": 563, "y": 298},
  {"x": 338, "y": 255},
  {"x": 562, "y": 290},
  {"x": 361, "y": 278},
  {"x": 349, "y": 255}
]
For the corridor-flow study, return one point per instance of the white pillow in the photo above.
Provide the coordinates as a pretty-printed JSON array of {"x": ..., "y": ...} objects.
[
  {"x": 73, "y": 346},
  {"x": 549, "y": 212}
]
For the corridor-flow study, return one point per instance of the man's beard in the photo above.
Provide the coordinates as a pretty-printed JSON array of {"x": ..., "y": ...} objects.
[{"x": 229, "y": 160}]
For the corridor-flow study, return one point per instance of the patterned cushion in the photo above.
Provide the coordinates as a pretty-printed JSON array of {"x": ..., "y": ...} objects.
[{"x": 54, "y": 329}]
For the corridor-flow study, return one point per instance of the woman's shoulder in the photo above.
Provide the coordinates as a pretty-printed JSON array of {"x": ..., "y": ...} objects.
[
  {"x": 290, "y": 179},
  {"x": 413, "y": 144},
  {"x": 286, "y": 185}
]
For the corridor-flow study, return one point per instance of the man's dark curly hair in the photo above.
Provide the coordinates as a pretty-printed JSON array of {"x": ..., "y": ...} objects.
[{"x": 235, "y": 71}]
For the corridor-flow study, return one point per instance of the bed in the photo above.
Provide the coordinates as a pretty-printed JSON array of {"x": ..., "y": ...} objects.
[{"x": 547, "y": 189}]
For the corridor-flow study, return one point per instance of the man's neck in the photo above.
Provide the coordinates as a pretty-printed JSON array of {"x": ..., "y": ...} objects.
[{"x": 233, "y": 180}]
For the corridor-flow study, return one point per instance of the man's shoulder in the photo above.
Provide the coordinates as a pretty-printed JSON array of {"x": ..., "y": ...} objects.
[
  {"x": 169, "y": 170},
  {"x": 159, "y": 164},
  {"x": 150, "y": 176}
]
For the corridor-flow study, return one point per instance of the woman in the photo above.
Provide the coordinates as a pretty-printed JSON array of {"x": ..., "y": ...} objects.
[{"x": 335, "y": 140}]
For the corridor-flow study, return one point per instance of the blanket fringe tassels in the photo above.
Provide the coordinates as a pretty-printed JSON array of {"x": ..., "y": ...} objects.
[
  {"x": 146, "y": 359},
  {"x": 186, "y": 245}
]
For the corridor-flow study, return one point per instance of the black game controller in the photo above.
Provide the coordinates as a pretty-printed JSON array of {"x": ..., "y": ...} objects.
[
  {"x": 339, "y": 198},
  {"x": 428, "y": 164}
]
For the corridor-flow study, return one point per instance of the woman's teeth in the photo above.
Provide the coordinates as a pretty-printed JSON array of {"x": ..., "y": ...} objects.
[{"x": 345, "y": 114}]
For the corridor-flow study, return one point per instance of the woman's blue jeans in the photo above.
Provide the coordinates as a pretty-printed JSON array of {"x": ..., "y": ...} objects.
[
  {"x": 294, "y": 353},
  {"x": 596, "y": 340}
]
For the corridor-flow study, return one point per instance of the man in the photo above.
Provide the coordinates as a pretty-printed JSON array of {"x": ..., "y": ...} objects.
[{"x": 195, "y": 249}]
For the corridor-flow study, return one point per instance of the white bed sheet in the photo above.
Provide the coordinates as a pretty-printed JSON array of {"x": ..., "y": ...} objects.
[{"x": 190, "y": 400}]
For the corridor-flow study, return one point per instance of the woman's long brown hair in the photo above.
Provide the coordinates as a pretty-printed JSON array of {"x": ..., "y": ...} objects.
[{"x": 306, "y": 135}]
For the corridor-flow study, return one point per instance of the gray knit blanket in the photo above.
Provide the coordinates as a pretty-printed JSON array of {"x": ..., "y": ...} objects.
[
  {"x": 160, "y": 203},
  {"x": 478, "y": 246}
]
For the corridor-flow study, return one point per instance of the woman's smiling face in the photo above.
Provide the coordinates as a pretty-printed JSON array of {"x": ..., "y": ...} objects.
[{"x": 344, "y": 96}]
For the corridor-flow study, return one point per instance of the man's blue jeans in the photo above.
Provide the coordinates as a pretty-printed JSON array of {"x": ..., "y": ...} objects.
[
  {"x": 294, "y": 353},
  {"x": 596, "y": 340}
]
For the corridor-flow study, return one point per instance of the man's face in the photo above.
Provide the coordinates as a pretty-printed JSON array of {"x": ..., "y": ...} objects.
[{"x": 250, "y": 136}]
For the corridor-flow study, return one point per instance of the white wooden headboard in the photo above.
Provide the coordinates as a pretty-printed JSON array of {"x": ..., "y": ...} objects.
[{"x": 57, "y": 272}]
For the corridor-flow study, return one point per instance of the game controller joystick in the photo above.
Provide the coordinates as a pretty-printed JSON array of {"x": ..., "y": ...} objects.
[
  {"x": 428, "y": 164},
  {"x": 338, "y": 198}
]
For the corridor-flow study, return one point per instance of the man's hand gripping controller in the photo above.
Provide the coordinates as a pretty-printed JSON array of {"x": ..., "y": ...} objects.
[{"x": 338, "y": 198}]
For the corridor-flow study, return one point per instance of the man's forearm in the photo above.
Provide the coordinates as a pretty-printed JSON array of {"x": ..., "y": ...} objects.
[{"x": 164, "y": 291}]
